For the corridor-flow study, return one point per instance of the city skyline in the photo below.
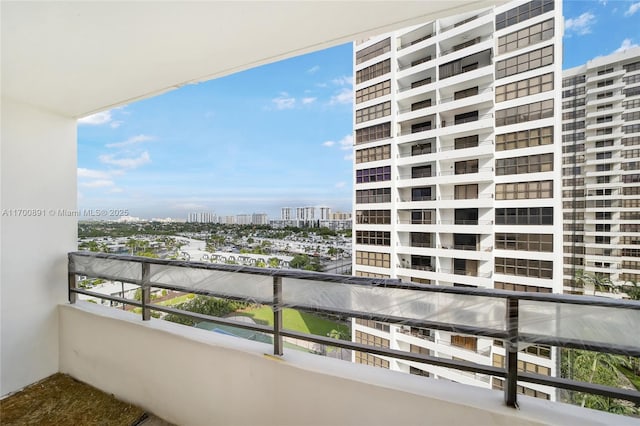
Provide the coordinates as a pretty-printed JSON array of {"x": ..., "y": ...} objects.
[{"x": 280, "y": 134}]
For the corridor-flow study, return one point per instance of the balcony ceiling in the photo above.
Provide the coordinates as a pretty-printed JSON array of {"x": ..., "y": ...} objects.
[{"x": 77, "y": 58}]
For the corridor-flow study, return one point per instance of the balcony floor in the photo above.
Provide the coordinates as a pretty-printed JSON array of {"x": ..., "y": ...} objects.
[{"x": 60, "y": 399}]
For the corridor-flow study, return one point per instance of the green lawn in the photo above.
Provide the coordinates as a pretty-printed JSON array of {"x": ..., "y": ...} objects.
[
  {"x": 635, "y": 380},
  {"x": 169, "y": 302},
  {"x": 296, "y": 320}
]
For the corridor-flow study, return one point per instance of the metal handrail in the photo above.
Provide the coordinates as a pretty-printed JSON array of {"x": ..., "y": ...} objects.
[{"x": 511, "y": 335}]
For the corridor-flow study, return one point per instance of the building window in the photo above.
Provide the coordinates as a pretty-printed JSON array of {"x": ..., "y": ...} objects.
[
  {"x": 524, "y": 216},
  {"x": 466, "y": 142},
  {"x": 421, "y": 149},
  {"x": 374, "y": 238},
  {"x": 373, "y": 133},
  {"x": 420, "y": 172},
  {"x": 574, "y": 103},
  {"x": 575, "y": 125},
  {"x": 526, "y": 164},
  {"x": 466, "y": 117},
  {"x": 421, "y": 194},
  {"x": 633, "y": 91},
  {"x": 375, "y": 174},
  {"x": 572, "y": 81},
  {"x": 634, "y": 128},
  {"x": 529, "y": 86},
  {"x": 531, "y": 268},
  {"x": 373, "y": 217},
  {"x": 520, "y": 287},
  {"x": 373, "y": 71},
  {"x": 380, "y": 48},
  {"x": 422, "y": 217},
  {"x": 370, "y": 275},
  {"x": 466, "y": 64},
  {"x": 420, "y": 239},
  {"x": 524, "y": 139},
  {"x": 466, "y": 192},
  {"x": 573, "y": 92},
  {"x": 372, "y": 92},
  {"x": 526, "y": 36},
  {"x": 523, "y": 12},
  {"x": 524, "y": 190},
  {"x": 461, "y": 94},
  {"x": 377, "y": 195},
  {"x": 465, "y": 167},
  {"x": 525, "y": 62},
  {"x": 524, "y": 242},
  {"x": 373, "y": 112},
  {"x": 524, "y": 113},
  {"x": 368, "y": 258},
  {"x": 368, "y": 359},
  {"x": 634, "y": 66},
  {"x": 373, "y": 324},
  {"x": 570, "y": 115},
  {"x": 377, "y": 153}
]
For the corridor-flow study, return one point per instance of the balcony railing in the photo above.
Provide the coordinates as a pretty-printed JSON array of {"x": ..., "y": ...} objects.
[{"x": 581, "y": 322}]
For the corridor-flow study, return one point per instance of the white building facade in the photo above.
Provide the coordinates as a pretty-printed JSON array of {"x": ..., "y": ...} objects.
[
  {"x": 601, "y": 172},
  {"x": 457, "y": 161}
]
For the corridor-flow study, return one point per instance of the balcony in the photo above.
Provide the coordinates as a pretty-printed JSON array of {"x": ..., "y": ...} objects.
[{"x": 90, "y": 332}]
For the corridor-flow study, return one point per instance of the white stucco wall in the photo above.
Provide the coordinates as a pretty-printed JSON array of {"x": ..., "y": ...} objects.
[
  {"x": 38, "y": 171},
  {"x": 195, "y": 377}
]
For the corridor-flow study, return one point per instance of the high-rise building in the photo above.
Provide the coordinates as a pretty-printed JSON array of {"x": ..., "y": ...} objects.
[
  {"x": 286, "y": 213},
  {"x": 458, "y": 163},
  {"x": 601, "y": 172}
]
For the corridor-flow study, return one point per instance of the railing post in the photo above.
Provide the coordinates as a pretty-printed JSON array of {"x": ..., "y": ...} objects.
[
  {"x": 73, "y": 284},
  {"x": 277, "y": 315},
  {"x": 511, "y": 382},
  {"x": 146, "y": 291}
]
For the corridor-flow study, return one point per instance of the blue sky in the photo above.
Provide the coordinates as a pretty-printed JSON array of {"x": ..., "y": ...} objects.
[{"x": 274, "y": 136}]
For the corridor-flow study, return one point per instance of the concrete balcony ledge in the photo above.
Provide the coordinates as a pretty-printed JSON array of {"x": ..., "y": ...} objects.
[{"x": 190, "y": 376}]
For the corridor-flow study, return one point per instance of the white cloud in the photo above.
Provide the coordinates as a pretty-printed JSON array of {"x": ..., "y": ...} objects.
[
  {"x": 116, "y": 124},
  {"x": 340, "y": 185},
  {"x": 603, "y": 2},
  {"x": 344, "y": 96},
  {"x": 116, "y": 190},
  {"x": 346, "y": 142},
  {"x": 307, "y": 101},
  {"x": 626, "y": 45},
  {"x": 580, "y": 25},
  {"x": 284, "y": 101},
  {"x": 343, "y": 81},
  {"x": 96, "y": 119},
  {"x": 131, "y": 141},
  {"x": 127, "y": 163},
  {"x": 632, "y": 9},
  {"x": 348, "y": 157},
  {"x": 101, "y": 183},
  {"x": 314, "y": 69},
  {"x": 92, "y": 174}
]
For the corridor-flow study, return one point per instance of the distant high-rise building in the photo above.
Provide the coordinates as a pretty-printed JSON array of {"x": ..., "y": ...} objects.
[
  {"x": 286, "y": 213},
  {"x": 259, "y": 219},
  {"x": 201, "y": 217},
  {"x": 457, "y": 165},
  {"x": 601, "y": 173}
]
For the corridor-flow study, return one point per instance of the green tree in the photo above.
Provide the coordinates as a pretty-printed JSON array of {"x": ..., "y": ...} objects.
[
  {"x": 204, "y": 305},
  {"x": 299, "y": 261},
  {"x": 600, "y": 368}
]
